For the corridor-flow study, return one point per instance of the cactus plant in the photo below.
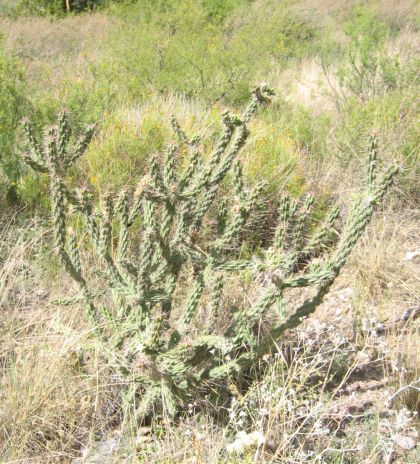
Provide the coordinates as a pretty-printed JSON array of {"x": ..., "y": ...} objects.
[{"x": 148, "y": 240}]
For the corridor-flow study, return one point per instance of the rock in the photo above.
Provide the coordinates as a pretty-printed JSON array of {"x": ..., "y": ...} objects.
[
  {"x": 411, "y": 313},
  {"x": 41, "y": 293},
  {"x": 345, "y": 294},
  {"x": 100, "y": 452},
  {"x": 405, "y": 443},
  {"x": 365, "y": 385},
  {"x": 411, "y": 255}
]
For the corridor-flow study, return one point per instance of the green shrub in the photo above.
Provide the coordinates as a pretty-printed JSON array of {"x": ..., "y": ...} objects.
[
  {"x": 179, "y": 46},
  {"x": 58, "y": 7},
  {"x": 367, "y": 68},
  {"x": 162, "y": 315},
  {"x": 40, "y": 7},
  {"x": 13, "y": 105},
  {"x": 7, "y": 6},
  {"x": 120, "y": 152},
  {"x": 219, "y": 10},
  {"x": 394, "y": 118}
]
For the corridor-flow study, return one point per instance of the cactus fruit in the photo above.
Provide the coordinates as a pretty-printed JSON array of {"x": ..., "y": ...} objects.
[{"x": 148, "y": 242}]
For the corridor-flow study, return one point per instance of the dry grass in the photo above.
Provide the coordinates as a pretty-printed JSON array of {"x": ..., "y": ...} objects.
[
  {"x": 306, "y": 84},
  {"x": 381, "y": 264},
  {"x": 320, "y": 398},
  {"x": 53, "y": 51},
  {"x": 58, "y": 403},
  {"x": 328, "y": 11},
  {"x": 50, "y": 405}
]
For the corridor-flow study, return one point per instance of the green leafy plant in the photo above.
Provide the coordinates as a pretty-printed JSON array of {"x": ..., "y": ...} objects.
[
  {"x": 159, "y": 302},
  {"x": 206, "y": 49},
  {"x": 57, "y": 7},
  {"x": 368, "y": 69},
  {"x": 12, "y": 105}
]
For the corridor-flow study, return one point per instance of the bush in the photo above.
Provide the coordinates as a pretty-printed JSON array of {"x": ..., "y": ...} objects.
[
  {"x": 186, "y": 47},
  {"x": 40, "y": 7},
  {"x": 368, "y": 69},
  {"x": 165, "y": 325},
  {"x": 13, "y": 105},
  {"x": 58, "y": 7}
]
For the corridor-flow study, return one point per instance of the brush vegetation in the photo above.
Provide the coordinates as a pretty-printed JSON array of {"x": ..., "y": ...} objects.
[{"x": 191, "y": 268}]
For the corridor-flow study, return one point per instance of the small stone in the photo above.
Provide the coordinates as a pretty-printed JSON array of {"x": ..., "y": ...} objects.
[
  {"x": 405, "y": 443},
  {"x": 41, "y": 293},
  {"x": 345, "y": 294},
  {"x": 410, "y": 255},
  {"x": 143, "y": 441},
  {"x": 142, "y": 431},
  {"x": 410, "y": 313}
]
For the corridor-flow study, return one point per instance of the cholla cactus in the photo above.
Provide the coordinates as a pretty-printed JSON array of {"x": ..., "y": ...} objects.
[{"x": 148, "y": 240}]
